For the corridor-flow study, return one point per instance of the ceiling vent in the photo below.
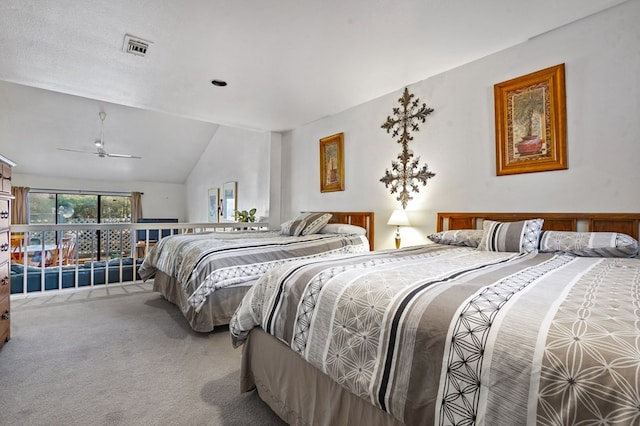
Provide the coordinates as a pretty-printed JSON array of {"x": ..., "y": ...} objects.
[{"x": 135, "y": 45}]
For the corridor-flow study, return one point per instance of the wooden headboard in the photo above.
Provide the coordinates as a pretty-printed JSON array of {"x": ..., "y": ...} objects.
[
  {"x": 363, "y": 219},
  {"x": 626, "y": 223}
]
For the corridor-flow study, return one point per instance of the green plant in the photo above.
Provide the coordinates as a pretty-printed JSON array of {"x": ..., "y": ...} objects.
[{"x": 245, "y": 216}]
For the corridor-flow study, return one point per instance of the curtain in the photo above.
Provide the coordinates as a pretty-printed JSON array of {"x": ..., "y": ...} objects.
[
  {"x": 136, "y": 206},
  {"x": 20, "y": 206}
]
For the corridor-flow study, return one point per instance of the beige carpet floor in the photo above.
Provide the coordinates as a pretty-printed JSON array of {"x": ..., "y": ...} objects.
[{"x": 120, "y": 356}]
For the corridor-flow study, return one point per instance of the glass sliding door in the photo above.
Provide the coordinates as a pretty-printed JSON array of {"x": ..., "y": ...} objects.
[
  {"x": 57, "y": 208},
  {"x": 115, "y": 209},
  {"x": 80, "y": 209}
]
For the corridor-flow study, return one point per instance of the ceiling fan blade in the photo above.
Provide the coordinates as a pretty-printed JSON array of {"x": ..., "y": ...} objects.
[
  {"x": 76, "y": 150},
  {"x": 123, "y": 156},
  {"x": 99, "y": 143}
]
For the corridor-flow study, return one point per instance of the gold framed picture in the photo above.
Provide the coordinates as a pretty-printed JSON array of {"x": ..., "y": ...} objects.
[
  {"x": 531, "y": 122},
  {"x": 332, "y": 163}
]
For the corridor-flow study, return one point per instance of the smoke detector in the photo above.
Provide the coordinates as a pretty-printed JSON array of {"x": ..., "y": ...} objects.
[{"x": 135, "y": 45}]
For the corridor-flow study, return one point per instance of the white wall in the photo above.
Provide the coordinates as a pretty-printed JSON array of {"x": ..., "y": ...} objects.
[
  {"x": 275, "y": 180},
  {"x": 232, "y": 155},
  {"x": 160, "y": 200},
  {"x": 602, "y": 64}
]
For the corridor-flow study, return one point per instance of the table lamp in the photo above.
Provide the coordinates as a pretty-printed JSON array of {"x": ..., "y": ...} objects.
[{"x": 398, "y": 218}]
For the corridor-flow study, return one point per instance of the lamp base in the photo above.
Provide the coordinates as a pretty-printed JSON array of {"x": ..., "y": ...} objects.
[{"x": 398, "y": 236}]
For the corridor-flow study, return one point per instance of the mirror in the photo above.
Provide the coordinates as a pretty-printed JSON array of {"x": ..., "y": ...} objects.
[{"x": 228, "y": 202}]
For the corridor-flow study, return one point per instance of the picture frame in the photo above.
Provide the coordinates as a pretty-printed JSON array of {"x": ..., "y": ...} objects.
[
  {"x": 531, "y": 122},
  {"x": 332, "y": 163},
  {"x": 213, "y": 204},
  {"x": 229, "y": 199}
]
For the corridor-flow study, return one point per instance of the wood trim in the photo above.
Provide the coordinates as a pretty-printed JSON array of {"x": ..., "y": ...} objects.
[
  {"x": 627, "y": 223},
  {"x": 363, "y": 219}
]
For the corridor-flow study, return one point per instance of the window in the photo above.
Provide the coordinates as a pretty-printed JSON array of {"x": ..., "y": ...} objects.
[
  {"x": 42, "y": 208},
  {"x": 115, "y": 209},
  {"x": 57, "y": 208},
  {"x": 73, "y": 208},
  {"x": 78, "y": 208}
]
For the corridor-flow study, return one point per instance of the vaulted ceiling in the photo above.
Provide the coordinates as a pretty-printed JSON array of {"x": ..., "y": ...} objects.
[{"x": 286, "y": 62}]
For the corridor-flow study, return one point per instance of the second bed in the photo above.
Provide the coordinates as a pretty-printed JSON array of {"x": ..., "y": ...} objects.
[{"x": 206, "y": 275}]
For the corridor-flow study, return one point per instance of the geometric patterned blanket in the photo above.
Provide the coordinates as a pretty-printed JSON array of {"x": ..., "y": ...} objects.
[
  {"x": 204, "y": 262},
  {"x": 449, "y": 335}
]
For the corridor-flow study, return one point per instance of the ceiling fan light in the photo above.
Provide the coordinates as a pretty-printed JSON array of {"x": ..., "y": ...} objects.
[{"x": 99, "y": 143}]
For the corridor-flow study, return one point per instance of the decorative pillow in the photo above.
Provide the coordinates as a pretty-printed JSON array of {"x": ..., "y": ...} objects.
[
  {"x": 589, "y": 244},
  {"x": 315, "y": 222},
  {"x": 458, "y": 237},
  {"x": 292, "y": 227},
  {"x": 342, "y": 228},
  {"x": 521, "y": 237}
]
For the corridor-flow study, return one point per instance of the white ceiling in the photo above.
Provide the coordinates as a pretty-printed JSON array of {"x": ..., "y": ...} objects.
[{"x": 287, "y": 62}]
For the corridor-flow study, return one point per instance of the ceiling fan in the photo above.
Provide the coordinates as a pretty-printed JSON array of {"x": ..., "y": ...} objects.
[{"x": 100, "y": 151}]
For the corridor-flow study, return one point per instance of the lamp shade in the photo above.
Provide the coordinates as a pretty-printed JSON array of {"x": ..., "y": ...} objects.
[{"x": 399, "y": 218}]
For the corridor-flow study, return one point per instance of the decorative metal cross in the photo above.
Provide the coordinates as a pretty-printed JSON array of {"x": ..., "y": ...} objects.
[{"x": 406, "y": 173}]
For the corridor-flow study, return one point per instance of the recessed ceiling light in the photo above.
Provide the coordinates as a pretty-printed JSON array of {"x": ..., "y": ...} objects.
[{"x": 219, "y": 83}]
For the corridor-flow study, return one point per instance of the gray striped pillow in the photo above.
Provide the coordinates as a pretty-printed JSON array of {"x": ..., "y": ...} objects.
[
  {"x": 315, "y": 222},
  {"x": 305, "y": 224},
  {"x": 459, "y": 237},
  {"x": 520, "y": 237},
  {"x": 589, "y": 244},
  {"x": 292, "y": 227}
]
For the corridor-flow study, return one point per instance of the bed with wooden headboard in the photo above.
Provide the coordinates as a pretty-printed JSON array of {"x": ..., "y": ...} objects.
[
  {"x": 445, "y": 334},
  {"x": 626, "y": 223},
  {"x": 206, "y": 275}
]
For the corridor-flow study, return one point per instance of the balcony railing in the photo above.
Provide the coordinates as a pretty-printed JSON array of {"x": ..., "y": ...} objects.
[{"x": 70, "y": 256}]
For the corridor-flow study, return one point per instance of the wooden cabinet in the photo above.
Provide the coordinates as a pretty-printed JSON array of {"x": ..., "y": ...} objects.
[{"x": 5, "y": 249}]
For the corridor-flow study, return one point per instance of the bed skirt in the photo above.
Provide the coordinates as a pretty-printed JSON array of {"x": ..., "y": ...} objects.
[
  {"x": 297, "y": 391},
  {"x": 217, "y": 310}
]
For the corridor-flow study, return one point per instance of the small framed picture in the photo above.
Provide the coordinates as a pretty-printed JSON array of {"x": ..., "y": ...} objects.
[
  {"x": 332, "y": 163},
  {"x": 214, "y": 206}
]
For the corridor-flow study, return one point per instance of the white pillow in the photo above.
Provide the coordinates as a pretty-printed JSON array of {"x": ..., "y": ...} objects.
[{"x": 342, "y": 228}]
